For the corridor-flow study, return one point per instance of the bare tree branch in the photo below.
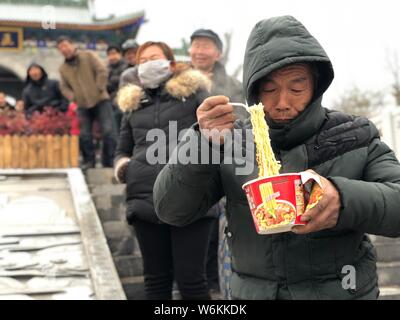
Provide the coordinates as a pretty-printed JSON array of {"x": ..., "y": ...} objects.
[
  {"x": 360, "y": 103},
  {"x": 392, "y": 61},
  {"x": 228, "y": 42}
]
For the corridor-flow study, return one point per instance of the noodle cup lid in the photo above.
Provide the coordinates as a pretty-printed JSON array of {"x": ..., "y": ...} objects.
[
  {"x": 272, "y": 177},
  {"x": 312, "y": 187},
  {"x": 306, "y": 177}
]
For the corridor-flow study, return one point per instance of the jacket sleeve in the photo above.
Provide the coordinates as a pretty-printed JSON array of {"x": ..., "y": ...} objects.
[
  {"x": 372, "y": 205},
  {"x": 125, "y": 142},
  {"x": 101, "y": 72},
  {"x": 184, "y": 193},
  {"x": 66, "y": 89}
]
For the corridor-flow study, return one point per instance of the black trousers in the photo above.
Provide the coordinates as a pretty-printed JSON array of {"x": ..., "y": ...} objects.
[
  {"x": 178, "y": 253},
  {"x": 212, "y": 257},
  {"x": 103, "y": 113}
]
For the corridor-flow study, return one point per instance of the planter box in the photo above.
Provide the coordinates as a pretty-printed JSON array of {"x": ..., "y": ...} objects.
[{"x": 39, "y": 152}]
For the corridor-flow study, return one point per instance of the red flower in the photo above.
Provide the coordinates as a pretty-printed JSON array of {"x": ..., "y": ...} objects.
[{"x": 49, "y": 122}]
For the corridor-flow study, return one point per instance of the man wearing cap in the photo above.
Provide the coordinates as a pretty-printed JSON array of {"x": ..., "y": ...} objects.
[
  {"x": 332, "y": 257},
  {"x": 205, "y": 54},
  {"x": 129, "y": 49}
]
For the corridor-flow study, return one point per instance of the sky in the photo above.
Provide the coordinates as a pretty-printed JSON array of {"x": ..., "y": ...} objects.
[{"x": 358, "y": 36}]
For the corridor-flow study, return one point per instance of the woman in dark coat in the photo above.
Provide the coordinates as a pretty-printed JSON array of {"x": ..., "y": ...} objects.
[{"x": 163, "y": 100}]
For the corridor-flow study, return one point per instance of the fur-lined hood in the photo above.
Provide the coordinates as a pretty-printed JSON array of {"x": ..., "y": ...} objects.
[{"x": 184, "y": 83}]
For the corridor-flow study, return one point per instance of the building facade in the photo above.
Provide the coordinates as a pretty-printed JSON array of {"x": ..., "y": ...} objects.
[{"x": 29, "y": 30}]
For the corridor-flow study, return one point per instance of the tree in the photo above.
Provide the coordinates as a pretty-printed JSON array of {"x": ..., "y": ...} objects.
[
  {"x": 227, "y": 49},
  {"x": 358, "y": 102},
  {"x": 393, "y": 66}
]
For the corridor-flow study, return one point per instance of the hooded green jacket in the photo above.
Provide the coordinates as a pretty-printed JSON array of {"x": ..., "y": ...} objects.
[{"x": 345, "y": 149}]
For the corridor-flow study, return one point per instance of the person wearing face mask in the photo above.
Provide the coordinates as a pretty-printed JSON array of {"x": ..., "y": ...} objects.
[{"x": 164, "y": 93}]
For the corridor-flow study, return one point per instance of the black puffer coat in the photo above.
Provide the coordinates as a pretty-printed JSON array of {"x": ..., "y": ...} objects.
[
  {"x": 42, "y": 93},
  {"x": 146, "y": 110},
  {"x": 345, "y": 149}
]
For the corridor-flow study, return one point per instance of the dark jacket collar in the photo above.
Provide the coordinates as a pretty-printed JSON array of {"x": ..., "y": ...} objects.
[
  {"x": 74, "y": 60},
  {"x": 307, "y": 124}
]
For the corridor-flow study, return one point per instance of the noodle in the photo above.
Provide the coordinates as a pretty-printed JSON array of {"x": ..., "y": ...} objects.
[{"x": 268, "y": 166}]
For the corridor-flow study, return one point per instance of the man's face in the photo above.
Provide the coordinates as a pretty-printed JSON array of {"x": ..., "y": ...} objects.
[
  {"x": 204, "y": 53},
  {"x": 2, "y": 99},
  {"x": 286, "y": 92},
  {"x": 67, "y": 49},
  {"x": 130, "y": 56},
  {"x": 35, "y": 73},
  {"x": 113, "y": 57}
]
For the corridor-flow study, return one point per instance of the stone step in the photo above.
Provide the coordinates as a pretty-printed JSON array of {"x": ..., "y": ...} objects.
[
  {"x": 120, "y": 238},
  {"x": 134, "y": 288},
  {"x": 110, "y": 202},
  {"x": 381, "y": 239},
  {"x": 117, "y": 229},
  {"x": 389, "y": 293},
  {"x": 99, "y": 176},
  {"x": 111, "y": 214},
  {"x": 129, "y": 266},
  {"x": 389, "y": 273},
  {"x": 108, "y": 190},
  {"x": 121, "y": 246},
  {"x": 388, "y": 252}
]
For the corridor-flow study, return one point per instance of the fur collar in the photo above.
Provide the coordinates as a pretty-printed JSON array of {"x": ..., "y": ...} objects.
[{"x": 184, "y": 83}]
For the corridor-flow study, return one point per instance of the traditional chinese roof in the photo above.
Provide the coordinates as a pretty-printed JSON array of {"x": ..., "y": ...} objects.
[
  {"x": 75, "y": 18},
  {"x": 64, "y": 3},
  {"x": 72, "y": 14}
]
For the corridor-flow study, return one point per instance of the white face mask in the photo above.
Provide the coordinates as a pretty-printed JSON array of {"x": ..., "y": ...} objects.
[{"x": 153, "y": 73}]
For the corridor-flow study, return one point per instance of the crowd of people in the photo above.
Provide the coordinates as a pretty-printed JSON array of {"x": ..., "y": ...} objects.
[
  {"x": 177, "y": 209},
  {"x": 164, "y": 90}
]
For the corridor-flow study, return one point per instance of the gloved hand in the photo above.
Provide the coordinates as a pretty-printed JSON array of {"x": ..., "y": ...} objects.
[{"x": 120, "y": 169}]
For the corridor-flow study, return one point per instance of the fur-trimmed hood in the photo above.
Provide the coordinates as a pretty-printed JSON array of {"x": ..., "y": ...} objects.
[{"x": 184, "y": 83}]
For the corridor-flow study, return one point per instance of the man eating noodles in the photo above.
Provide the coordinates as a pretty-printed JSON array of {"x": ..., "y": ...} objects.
[{"x": 287, "y": 70}]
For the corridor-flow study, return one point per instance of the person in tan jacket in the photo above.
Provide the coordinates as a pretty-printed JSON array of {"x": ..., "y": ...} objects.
[{"x": 84, "y": 81}]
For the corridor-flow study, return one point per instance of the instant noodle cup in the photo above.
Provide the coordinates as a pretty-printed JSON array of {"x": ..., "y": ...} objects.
[{"x": 278, "y": 202}]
